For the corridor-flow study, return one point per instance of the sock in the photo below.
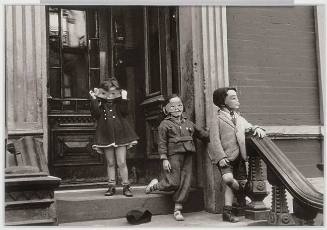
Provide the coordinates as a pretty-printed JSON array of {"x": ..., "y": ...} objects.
[{"x": 233, "y": 185}]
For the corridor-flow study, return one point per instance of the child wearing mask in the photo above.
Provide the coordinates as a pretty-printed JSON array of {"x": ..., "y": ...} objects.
[
  {"x": 114, "y": 134},
  {"x": 176, "y": 149},
  {"x": 228, "y": 150}
]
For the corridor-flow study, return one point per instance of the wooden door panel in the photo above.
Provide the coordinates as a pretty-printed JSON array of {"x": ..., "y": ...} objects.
[
  {"x": 74, "y": 148},
  {"x": 71, "y": 155}
]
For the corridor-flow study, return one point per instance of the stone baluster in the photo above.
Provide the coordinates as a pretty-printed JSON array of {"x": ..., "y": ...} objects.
[
  {"x": 255, "y": 189},
  {"x": 279, "y": 213}
]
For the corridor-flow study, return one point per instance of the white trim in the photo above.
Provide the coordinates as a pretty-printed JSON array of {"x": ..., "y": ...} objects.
[
  {"x": 294, "y": 130},
  {"x": 224, "y": 45},
  {"x": 25, "y": 132},
  {"x": 320, "y": 19}
]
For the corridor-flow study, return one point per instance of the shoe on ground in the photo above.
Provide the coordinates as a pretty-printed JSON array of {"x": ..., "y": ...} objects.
[
  {"x": 111, "y": 191},
  {"x": 178, "y": 216},
  {"x": 127, "y": 191},
  {"x": 149, "y": 188},
  {"x": 228, "y": 216}
]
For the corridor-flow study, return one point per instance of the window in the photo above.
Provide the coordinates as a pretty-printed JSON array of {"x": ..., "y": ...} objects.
[
  {"x": 162, "y": 54},
  {"x": 74, "y": 64}
]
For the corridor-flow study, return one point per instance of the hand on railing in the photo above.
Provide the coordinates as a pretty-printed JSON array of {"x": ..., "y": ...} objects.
[{"x": 259, "y": 132}]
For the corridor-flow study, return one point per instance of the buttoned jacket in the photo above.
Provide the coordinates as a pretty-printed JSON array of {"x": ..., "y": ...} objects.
[
  {"x": 112, "y": 126},
  {"x": 227, "y": 140},
  {"x": 177, "y": 137}
]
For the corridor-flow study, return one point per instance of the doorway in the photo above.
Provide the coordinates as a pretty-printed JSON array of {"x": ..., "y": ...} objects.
[{"x": 86, "y": 45}]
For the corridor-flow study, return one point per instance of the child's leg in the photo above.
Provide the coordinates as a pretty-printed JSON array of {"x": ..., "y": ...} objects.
[
  {"x": 229, "y": 196},
  {"x": 171, "y": 180},
  {"x": 229, "y": 180},
  {"x": 183, "y": 190},
  {"x": 121, "y": 162},
  {"x": 111, "y": 165},
  {"x": 232, "y": 186}
]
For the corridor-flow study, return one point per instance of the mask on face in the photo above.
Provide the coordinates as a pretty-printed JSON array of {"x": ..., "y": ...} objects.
[{"x": 174, "y": 108}]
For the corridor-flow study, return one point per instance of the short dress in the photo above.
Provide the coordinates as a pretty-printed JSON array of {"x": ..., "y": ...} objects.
[{"x": 113, "y": 128}]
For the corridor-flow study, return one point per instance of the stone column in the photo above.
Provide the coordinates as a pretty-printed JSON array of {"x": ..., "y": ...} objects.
[{"x": 204, "y": 60}]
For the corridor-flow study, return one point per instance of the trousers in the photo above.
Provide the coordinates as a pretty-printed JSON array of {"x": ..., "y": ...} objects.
[{"x": 179, "y": 179}]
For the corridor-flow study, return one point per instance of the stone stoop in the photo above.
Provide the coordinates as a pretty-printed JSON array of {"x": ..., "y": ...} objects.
[
  {"x": 91, "y": 204},
  {"x": 198, "y": 220},
  {"x": 89, "y": 207}
]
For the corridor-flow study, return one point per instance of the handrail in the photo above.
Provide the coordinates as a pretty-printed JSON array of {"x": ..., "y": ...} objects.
[{"x": 293, "y": 180}]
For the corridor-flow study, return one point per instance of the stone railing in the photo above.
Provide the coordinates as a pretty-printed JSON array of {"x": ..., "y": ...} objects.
[{"x": 282, "y": 175}]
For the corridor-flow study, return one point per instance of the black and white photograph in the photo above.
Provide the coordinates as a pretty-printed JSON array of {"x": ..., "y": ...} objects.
[{"x": 199, "y": 114}]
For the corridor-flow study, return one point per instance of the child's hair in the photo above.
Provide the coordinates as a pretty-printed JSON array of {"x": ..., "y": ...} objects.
[
  {"x": 220, "y": 94},
  {"x": 106, "y": 84},
  {"x": 167, "y": 100}
]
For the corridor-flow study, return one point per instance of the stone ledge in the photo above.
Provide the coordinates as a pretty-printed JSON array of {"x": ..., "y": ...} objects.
[
  {"x": 29, "y": 200},
  {"x": 91, "y": 204}
]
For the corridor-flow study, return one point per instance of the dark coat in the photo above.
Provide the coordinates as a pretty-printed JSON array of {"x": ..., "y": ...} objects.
[
  {"x": 112, "y": 122},
  {"x": 175, "y": 137}
]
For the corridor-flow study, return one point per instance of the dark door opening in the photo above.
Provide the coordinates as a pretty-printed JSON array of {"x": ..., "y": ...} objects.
[{"x": 88, "y": 44}]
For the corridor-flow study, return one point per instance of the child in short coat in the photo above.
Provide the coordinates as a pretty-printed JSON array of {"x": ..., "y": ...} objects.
[
  {"x": 228, "y": 150},
  {"x": 114, "y": 134},
  {"x": 176, "y": 149}
]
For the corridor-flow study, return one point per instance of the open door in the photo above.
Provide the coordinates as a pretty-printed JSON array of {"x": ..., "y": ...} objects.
[{"x": 88, "y": 44}]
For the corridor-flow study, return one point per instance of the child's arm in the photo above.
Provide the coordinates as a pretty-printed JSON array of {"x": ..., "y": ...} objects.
[
  {"x": 201, "y": 134},
  {"x": 256, "y": 130},
  {"x": 162, "y": 141},
  {"x": 123, "y": 103},
  {"x": 216, "y": 151},
  {"x": 162, "y": 147},
  {"x": 95, "y": 104}
]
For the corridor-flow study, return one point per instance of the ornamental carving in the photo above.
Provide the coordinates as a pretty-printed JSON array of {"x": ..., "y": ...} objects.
[{"x": 28, "y": 195}]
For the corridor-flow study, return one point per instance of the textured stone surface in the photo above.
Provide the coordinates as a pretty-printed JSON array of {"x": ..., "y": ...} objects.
[{"x": 91, "y": 204}]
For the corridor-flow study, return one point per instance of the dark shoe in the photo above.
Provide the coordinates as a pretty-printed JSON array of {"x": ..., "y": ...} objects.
[
  {"x": 127, "y": 191},
  {"x": 228, "y": 215},
  {"x": 111, "y": 190}
]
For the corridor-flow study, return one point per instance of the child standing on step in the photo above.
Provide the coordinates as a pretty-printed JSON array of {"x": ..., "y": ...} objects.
[
  {"x": 114, "y": 134},
  {"x": 228, "y": 150},
  {"x": 176, "y": 149}
]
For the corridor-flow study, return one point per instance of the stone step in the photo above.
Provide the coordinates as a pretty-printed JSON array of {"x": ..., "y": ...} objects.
[
  {"x": 91, "y": 204},
  {"x": 200, "y": 220}
]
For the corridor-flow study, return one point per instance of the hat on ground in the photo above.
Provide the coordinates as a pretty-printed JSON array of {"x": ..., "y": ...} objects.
[{"x": 138, "y": 216}]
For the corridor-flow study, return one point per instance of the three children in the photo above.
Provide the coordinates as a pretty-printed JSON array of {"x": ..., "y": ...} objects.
[{"x": 175, "y": 143}]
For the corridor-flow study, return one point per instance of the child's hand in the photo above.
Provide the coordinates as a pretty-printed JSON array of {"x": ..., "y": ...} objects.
[
  {"x": 166, "y": 165},
  {"x": 124, "y": 94},
  {"x": 92, "y": 94},
  {"x": 259, "y": 132},
  {"x": 224, "y": 162}
]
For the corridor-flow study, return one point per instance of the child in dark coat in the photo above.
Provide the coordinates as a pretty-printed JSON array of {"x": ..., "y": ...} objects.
[
  {"x": 114, "y": 134},
  {"x": 176, "y": 149},
  {"x": 228, "y": 150}
]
